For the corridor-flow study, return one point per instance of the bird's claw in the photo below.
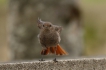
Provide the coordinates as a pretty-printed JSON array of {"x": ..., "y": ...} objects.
[
  {"x": 55, "y": 60},
  {"x": 41, "y": 59}
]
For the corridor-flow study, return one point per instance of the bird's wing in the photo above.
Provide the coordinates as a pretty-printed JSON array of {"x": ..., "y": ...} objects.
[
  {"x": 40, "y": 23},
  {"x": 58, "y": 28}
]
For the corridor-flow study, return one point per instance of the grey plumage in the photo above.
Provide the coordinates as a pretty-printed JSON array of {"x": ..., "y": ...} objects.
[{"x": 49, "y": 35}]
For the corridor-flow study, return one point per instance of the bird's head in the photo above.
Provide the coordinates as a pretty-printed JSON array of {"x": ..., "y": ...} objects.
[
  {"x": 47, "y": 26},
  {"x": 44, "y": 25}
]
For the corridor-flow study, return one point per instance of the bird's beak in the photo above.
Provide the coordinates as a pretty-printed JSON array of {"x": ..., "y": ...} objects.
[{"x": 46, "y": 27}]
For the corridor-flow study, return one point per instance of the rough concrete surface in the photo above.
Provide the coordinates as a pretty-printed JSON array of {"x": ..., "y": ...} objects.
[{"x": 68, "y": 64}]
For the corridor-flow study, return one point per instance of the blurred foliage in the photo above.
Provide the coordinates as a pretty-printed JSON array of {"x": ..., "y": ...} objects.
[
  {"x": 94, "y": 1},
  {"x": 94, "y": 15},
  {"x": 3, "y": 2}
]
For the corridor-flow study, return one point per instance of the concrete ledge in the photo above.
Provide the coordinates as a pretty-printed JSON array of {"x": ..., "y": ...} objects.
[{"x": 70, "y": 64}]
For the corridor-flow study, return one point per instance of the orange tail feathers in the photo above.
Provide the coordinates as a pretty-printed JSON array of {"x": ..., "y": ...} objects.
[
  {"x": 58, "y": 50},
  {"x": 48, "y": 50},
  {"x": 45, "y": 51}
]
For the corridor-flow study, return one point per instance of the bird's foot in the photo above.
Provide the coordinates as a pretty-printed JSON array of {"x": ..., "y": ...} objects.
[
  {"x": 55, "y": 60},
  {"x": 41, "y": 59}
]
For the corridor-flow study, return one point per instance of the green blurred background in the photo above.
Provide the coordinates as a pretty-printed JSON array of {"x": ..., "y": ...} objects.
[{"x": 94, "y": 24}]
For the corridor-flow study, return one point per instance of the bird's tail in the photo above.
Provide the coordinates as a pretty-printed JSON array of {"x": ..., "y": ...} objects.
[{"x": 58, "y": 50}]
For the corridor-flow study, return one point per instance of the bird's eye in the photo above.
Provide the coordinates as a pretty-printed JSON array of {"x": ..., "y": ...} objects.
[
  {"x": 49, "y": 25},
  {"x": 43, "y": 26}
]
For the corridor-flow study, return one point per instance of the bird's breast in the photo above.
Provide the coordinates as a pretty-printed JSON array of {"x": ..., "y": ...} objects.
[{"x": 49, "y": 38}]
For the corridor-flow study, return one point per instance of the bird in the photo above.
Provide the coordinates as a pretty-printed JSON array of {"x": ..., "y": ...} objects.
[{"x": 49, "y": 38}]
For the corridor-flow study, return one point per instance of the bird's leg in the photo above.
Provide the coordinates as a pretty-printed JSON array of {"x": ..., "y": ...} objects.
[
  {"x": 55, "y": 60},
  {"x": 42, "y": 53},
  {"x": 41, "y": 58}
]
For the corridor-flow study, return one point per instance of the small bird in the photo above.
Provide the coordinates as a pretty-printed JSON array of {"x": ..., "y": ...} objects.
[{"x": 49, "y": 38}]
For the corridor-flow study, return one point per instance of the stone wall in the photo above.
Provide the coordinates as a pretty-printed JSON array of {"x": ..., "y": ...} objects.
[{"x": 69, "y": 64}]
